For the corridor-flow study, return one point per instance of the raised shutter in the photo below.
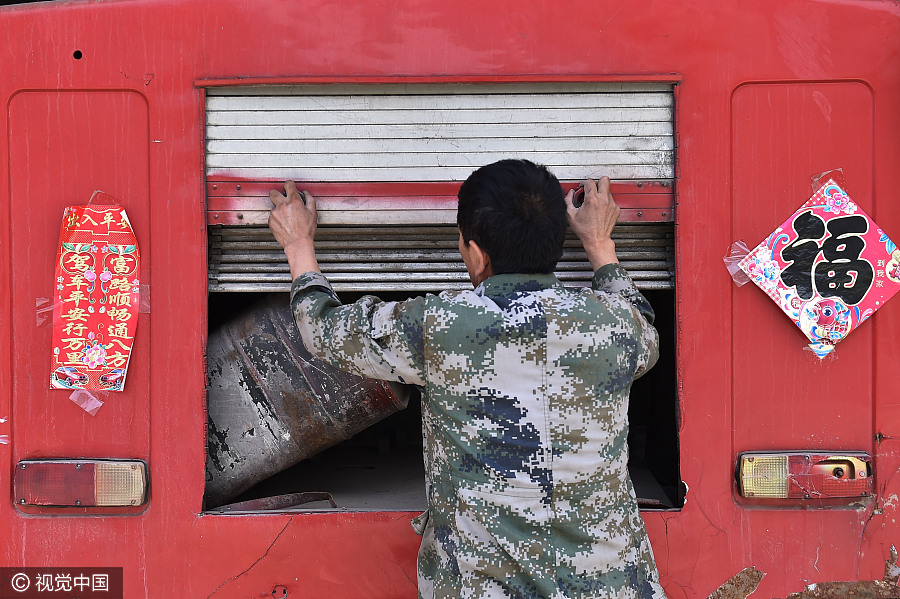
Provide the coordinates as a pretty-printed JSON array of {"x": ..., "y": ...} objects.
[
  {"x": 385, "y": 161},
  {"x": 439, "y": 132}
]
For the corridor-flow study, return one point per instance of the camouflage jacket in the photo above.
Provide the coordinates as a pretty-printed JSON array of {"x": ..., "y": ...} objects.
[{"x": 525, "y": 389}]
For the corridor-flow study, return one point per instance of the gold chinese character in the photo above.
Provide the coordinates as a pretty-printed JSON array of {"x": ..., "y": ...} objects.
[
  {"x": 120, "y": 343},
  {"x": 74, "y": 357},
  {"x": 120, "y": 299},
  {"x": 73, "y": 343},
  {"x": 87, "y": 218},
  {"x": 75, "y": 314},
  {"x": 77, "y": 297},
  {"x": 120, "y": 265},
  {"x": 119, "y": 329},
  {"x": 116, "y": 360},
  {"x": 74, "y": 328},
  {"x": 120, "y": 314},
  {"x": 119, "y": 284},
  {"x": 107, "y": 219},
  {"x": 77, "y": 282},
  {"x": 80, "y": 262}
]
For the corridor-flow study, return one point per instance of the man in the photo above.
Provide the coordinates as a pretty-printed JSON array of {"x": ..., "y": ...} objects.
[{"x": 524, "y": 389}]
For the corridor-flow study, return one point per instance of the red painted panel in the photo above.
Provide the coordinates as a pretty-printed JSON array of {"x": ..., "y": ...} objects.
[
  {"x": 784, "y": 396},
  {"x": 312, "y": 555},
  {"x": 63, "y": 146}
]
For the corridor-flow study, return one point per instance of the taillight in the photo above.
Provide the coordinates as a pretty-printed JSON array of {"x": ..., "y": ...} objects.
[
  {"x": 801, "y": 476},
  {"x": 80, "y": 483}
]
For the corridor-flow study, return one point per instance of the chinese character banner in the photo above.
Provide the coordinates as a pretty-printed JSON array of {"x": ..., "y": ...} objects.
[
  {"x": 96, "y": 299},
  {"x": 828, "y": 267}
]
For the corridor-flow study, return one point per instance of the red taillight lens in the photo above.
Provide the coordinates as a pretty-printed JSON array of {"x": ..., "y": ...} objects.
[{"x": 80, "y": 483}]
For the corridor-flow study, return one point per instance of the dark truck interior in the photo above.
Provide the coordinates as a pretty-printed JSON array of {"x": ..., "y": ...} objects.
[{"x": 381, "y": 467}]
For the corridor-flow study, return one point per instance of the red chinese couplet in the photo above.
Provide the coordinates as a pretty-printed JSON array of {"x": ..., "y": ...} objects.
[
  {"x": 96, "y": 299},
  {"x": 828, "y": 267}
]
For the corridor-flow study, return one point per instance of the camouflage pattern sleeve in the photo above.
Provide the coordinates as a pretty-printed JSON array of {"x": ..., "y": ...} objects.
[
  {"x": 371, "y": 338},
  {"x": 613, "y": 278}
]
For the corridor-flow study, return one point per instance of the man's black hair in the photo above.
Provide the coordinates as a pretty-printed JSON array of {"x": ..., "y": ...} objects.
[{"x": 515, "y": 211}]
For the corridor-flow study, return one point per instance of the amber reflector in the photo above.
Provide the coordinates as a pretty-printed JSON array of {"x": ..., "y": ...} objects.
[
  {"x": 764, "y": 476},
  {"x": 80, "y": 483}
]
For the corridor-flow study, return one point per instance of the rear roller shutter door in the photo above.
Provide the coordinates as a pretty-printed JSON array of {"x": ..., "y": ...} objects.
[{"x": 385, "y": 162}]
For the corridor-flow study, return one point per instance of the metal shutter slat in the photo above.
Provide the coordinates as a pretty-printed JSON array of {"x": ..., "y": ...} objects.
[{"x": 384, "y": 259}]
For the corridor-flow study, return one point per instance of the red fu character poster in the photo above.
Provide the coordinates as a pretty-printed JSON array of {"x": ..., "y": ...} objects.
[
  {"x": 96, "y": 299},
  {"x": 828, "y": 267}
]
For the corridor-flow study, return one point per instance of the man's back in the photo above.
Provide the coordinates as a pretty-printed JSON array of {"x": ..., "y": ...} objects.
[
  {"x": 525, "y": 399},
  {"x": 526, "y": 409}
]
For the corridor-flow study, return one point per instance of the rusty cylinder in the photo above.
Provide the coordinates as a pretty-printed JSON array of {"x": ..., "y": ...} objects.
[{"x": 271, "y": 404}]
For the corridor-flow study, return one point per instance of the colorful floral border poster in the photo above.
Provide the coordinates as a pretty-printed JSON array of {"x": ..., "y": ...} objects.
[
  {"x": 96, "y": 299},
  {"x": 828, "y": 267}
]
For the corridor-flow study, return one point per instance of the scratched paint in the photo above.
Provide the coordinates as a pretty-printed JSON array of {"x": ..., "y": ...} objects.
[{"x": 886, "y": 588}]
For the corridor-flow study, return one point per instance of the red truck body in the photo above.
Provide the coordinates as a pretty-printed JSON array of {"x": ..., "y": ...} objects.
[{"x": 110, "y": 95}]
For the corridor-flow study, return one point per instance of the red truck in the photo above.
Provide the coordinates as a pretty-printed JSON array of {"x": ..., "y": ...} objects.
[{"x": 709, "y": 117}]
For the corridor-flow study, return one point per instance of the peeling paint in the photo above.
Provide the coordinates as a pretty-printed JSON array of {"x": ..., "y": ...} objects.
[
  {"x": 863, "y": 589},
  {"x": 740, "y": 585}
]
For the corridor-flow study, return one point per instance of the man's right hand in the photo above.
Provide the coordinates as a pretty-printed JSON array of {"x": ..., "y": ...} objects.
[
  {"x": 594, "y": 220},
  {"x": 293, "y": 222}
]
